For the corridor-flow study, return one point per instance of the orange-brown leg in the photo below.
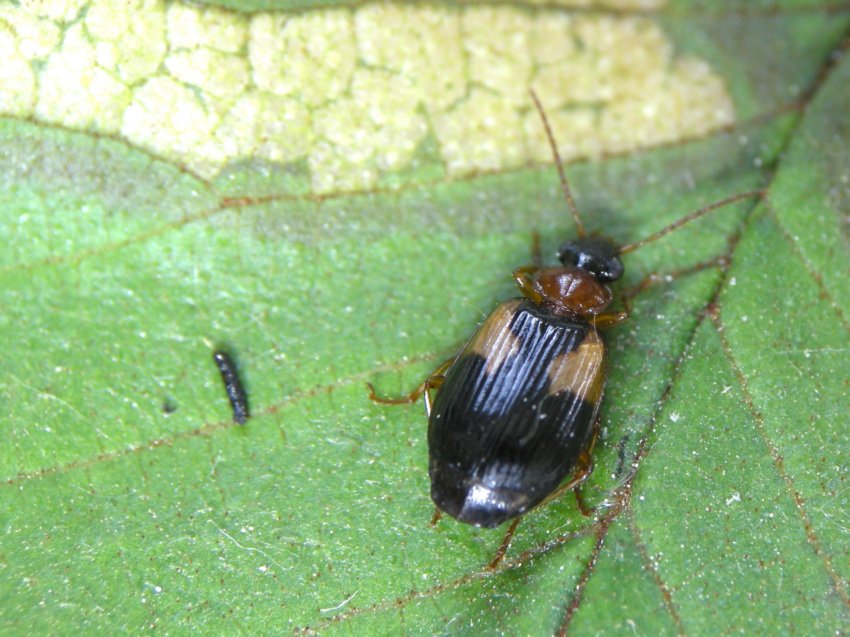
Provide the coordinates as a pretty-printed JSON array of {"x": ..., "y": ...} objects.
[
  {"x": 524, "y": 278},
  {"x": 432, "y": 382},
  {"x": 652, "y": 279},
  {"x": 584, "y": 467},
  {"x": 609, "y": 319},
  {"x": 585, "y": 510},
  {"x": 503, "y": 548},
  {"x": 412, "y": 397}
]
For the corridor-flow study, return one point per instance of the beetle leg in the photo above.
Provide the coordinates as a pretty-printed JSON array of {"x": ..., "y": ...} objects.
[
  {"x": 651, "y": 279},
  {"x": 607, "y": 319},
  {"x": 412, "y": 397},
  {"x": 584, "y": 467},
  {"x": 432, "y": 382},
  {"x": 503, "y": 548},
  {"x": 585, "y": 463},
  {"x": 436, "y": 517}
]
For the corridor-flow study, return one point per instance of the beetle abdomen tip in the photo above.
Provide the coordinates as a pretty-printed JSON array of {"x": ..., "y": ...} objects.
[{"x": 474, "y": 502}]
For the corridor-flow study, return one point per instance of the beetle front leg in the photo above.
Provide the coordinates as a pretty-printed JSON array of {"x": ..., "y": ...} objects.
[
  {"x": 524, "y": 278},
  {"x": 649, "y": 280}
]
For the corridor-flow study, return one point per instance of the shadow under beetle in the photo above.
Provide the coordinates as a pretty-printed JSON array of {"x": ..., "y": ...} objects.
[{"x": 515, "y": 416}]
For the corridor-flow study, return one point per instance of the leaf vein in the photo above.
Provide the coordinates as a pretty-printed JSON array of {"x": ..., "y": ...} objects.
[{"x": 779, "y": 464}]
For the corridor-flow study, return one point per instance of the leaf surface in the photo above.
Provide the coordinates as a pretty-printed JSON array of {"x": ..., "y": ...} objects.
[{"x": 130, "y": 501}]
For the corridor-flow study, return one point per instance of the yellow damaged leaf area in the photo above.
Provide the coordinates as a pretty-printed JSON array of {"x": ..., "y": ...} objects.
[{"x": 353, "y": 92}]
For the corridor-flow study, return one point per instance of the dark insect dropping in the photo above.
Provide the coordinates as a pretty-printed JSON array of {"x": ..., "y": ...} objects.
[
  {"x": 233, "y": 386},
  {"x": 513, "y": 417}
]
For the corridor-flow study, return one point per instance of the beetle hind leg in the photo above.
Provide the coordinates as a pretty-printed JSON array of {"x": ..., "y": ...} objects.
[
  {"x": 504, "y": 546},
  {"x": 585, "y": 462},
  {"x": 583, "y": 469}
]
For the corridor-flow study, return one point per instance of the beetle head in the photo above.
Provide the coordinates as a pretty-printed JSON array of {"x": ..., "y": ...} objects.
[{"x": 594, "y": 254}]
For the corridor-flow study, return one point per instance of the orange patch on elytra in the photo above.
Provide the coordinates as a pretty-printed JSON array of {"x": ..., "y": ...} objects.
[
  {"x": 581, "y": 371},
  {"x": 494, "y": 341}
]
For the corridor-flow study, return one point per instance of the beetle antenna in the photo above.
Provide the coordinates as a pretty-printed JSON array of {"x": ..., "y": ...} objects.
[
  {"x": 696, "y": 214},
  {"x": 564, "y": 185}
]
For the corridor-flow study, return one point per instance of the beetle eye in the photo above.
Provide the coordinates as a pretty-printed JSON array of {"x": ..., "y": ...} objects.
[{"x": 596, "y": 255}]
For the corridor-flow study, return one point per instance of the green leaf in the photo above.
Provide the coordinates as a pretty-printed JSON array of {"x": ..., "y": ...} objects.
[{"x": 131, "y": 502}]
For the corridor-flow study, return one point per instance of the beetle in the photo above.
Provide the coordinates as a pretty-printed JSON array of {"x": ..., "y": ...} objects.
[{"x": 515, "y": 416}]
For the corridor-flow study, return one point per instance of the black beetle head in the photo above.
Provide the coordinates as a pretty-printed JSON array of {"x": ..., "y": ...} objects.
[{"x": 597, "y": 255}]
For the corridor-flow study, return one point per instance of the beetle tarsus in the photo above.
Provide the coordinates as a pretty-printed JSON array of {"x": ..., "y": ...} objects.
[{"x": 412, "y": 397}]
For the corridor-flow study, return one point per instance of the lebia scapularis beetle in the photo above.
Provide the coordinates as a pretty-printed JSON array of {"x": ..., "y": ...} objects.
[{"x": 514, "y": 419}]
